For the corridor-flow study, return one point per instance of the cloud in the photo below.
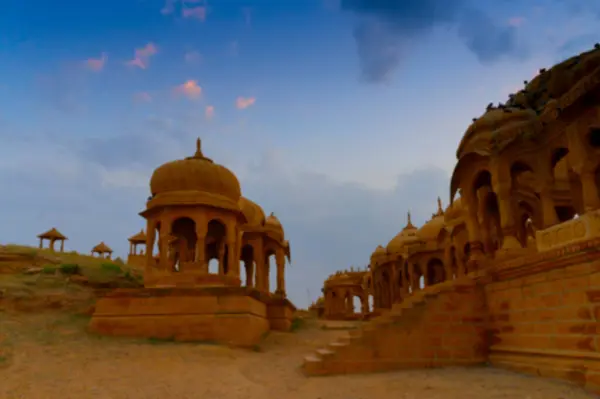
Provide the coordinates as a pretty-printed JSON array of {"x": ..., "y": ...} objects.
[
  {"x": 198, "y": 13},
  {"x": 189, "y": 89},
  {"x": 142, "y": 56},
  {"x": 387, "y": 28},
  {"x": 516, "y": 21},
  {"x": 209, "y": 112},
  {"x": 142, "y": 97},
  {"x": 244, "y": 102},
  {"x": 192, "y": 57},
  {"x": 97, "y": 64},
  {"x": 168, "y": 8}
]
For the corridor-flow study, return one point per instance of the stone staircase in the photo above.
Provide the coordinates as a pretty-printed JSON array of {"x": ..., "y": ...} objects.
[{"x": 441, "y": 325}]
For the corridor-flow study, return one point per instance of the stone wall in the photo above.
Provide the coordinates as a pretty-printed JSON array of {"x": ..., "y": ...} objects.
[{"x": 545, "y": 314}]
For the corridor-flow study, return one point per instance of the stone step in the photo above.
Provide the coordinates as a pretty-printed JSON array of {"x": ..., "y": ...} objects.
[
  {"x": 325, "y": 352},
  {"x": 312, "y": 359}
]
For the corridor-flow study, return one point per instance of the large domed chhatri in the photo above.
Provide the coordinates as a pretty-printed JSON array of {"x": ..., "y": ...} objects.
[{"x": 204, "y": 230}]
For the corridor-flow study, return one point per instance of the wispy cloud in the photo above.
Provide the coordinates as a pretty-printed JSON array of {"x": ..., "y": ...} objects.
[
  {"x": 142, "y": 56},
  {"x": 97, "y": 64},
  {"x": 209, "y": 112},
  {"x": 189, "y": 89},
  {"x": 516, "y": 21},
  {"x": 244, "y": 102},
  {"x": 198, "y": 12},
  {"x": 168, "y": 8},
  {"x": 192, "y": 57},
  {"x": 142, "y": 97}
]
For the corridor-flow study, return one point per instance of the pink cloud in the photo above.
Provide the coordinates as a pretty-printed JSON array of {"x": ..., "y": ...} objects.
[
  {"x": 209, "y": 112},
  {"x": 192, "y": 57},
  {"x": 190, "y": 89},
  {"x": 516, "y": 21},
  {"x": 194, "y": 12},
  {"x": 142, "y": 97},
  {"x": 97, "y": 64},
  {"x": 243, "y": 103},
  {"x": 142, "y": 56}
]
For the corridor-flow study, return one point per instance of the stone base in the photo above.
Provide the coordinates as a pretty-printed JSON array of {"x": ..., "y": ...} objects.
[{"x": 227, "y": 315}]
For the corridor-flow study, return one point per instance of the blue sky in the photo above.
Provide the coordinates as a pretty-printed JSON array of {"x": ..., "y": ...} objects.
[{"x": 337, "y": 115}]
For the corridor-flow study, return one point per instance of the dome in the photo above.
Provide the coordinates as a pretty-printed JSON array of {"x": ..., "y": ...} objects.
[
  {"x": 496, "y": 128},
  {"x": 406, "y": 236},
  {"x": 431, "y": 230},
  {"x": 553, "y": 83},
  {"x": 273, "y": 224},
  {"x": 196, "y": 173},
  {"x": 454, "y": 210},
  {"x": 252, "y": 211},
  {"x": 379, "y": 251}
]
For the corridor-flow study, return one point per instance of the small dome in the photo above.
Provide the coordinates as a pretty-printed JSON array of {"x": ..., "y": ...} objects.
[
  {"x": 454, "y": 210},
  {"x": 496, "y": 127},
  {"x": 273, "y": 224},
  {"x": 379, "y": 251},
  {"x": 196, "y": 173},
  {"x": 252, "y": 211},
  {"x": 406, "y": 236},
  {"x": 431, "y": 230}
]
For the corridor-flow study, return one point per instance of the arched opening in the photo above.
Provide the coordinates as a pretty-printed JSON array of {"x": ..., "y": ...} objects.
[
  {"x": 270, "y": 264},
  {"x": 422, "y": 282},
  {"x": 213, "y": 266},
  {"x": 565, "y": 213},
  {"x": 466, "y": 255},
  {"x": 594, "y": 137},
  {"x": 492, "y": 223},
  {"x": 525, "y": 220},
  {"x": 183, "y": 246},
  {"x": 435, "y": 271},
  {"x": 386, "y": 294},
  {"x": 356, "y": 305},
  {"x": 156, "y": 247},
  {"x": 247, "y": 266},
  {"x": 215, "y": 248},
  {"x": 399, "y": 284},
  {"x": 370, "y": 303},
  {"x": 410, "y": 280}
]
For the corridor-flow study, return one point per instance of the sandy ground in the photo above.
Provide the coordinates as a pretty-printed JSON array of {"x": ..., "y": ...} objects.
[{"x": 50, "y": 356}]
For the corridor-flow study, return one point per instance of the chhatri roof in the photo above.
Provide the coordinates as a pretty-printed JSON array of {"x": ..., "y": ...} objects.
[
  {"x": 255, "y": 216},
  {"x": 52, "y": 234},
  {"x": 196, "y": 174},
  {"x": 406, "y": 236},
  {"x": 430, "y": 230},
  {"x": 102, "y": 248},
  {"x": 138, "y": 238}
]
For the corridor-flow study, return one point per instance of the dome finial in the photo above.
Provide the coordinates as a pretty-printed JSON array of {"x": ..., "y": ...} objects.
[
  {"x": 408, "y": 218},
  {"x": 440, "y": 211},
  {"x": 198, "y": 153}
]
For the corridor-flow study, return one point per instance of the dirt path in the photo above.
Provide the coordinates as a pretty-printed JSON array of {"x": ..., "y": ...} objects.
[{"x": 49, "y": 356}]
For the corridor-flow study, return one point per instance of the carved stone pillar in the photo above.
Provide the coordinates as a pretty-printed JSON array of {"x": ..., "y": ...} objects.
[
  {"x": 414, "y": 283},
  {"x": 233, "y": 260},
  {"x": 163, "y": 243},
  {"x": 448, "y": 262},
  {"x": 221, "y": 256},
  {"x": 475, "y": 244},
  {"x": 507, "y": 217},
  {"x": 548, "y": 206},
  {"x": 591, "y": 201},
  {"x": 280, "y": 260},
  {"x": 150, "y": 238},
  {"x": 200, "y": 252},
  {"x": 259, "y": 257},
  {"x": 62, "y": 245}
]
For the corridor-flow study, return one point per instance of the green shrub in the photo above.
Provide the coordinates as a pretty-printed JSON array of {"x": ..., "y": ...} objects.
[
  {"x": 70, "y": 268},
  {"x": 297, "y": 323},
  {"x": 49, "y": 270},
  {"x": 111, "y": 267}
]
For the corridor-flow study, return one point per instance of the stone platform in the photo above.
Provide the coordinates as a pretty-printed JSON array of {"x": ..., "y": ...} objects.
[{"x": 227, "y": 315}]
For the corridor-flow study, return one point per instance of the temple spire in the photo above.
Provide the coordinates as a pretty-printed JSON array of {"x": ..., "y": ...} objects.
[
  {"x": 440, "y": 210},
  {"x": 198, "y": 148}
]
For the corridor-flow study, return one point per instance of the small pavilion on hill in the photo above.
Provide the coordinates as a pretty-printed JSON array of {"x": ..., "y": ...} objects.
[
  {"x": 52, "y": 236},
  {"x": 135, "y": 240},
  {"x": 102, "y": 250}
]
